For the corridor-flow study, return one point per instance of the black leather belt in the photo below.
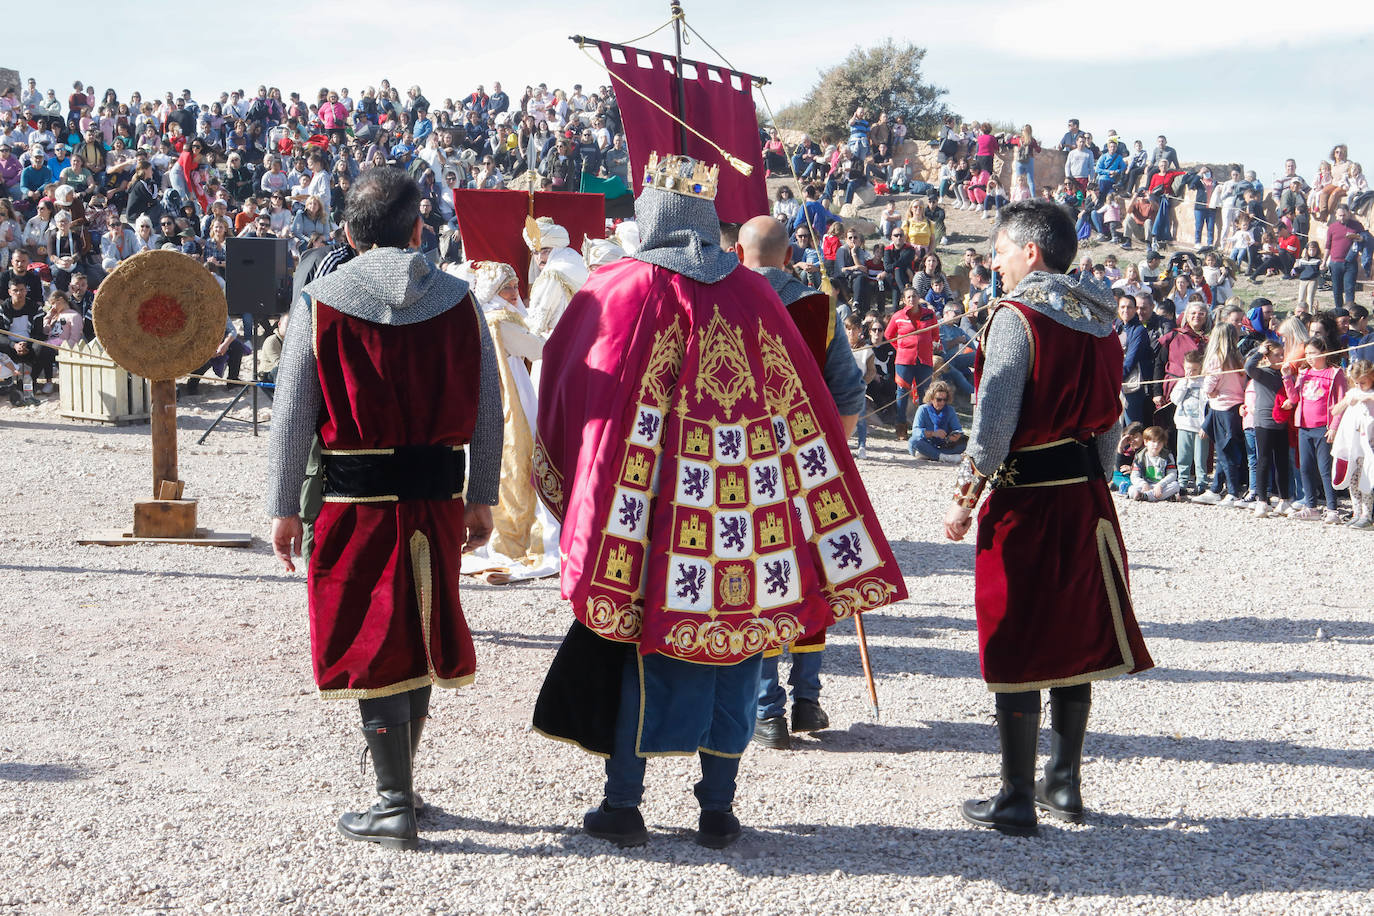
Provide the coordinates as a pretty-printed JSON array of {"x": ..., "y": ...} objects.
[
  {"x": 401, "y": 474},
  {"x": 1058, "y": 464}
]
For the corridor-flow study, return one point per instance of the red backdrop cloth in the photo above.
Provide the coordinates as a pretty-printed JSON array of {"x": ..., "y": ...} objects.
[
  {"x": 492, "y": 224},
  {"x": 714, "y": 105}
]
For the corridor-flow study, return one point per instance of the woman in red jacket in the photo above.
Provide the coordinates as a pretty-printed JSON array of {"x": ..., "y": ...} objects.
[{"x": 915, "y": 353}]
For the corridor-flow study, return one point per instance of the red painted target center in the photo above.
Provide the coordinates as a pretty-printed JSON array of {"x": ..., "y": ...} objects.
[{"x": 161, "y": 316}]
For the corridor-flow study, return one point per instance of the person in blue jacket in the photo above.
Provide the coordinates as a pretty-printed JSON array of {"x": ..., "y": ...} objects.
[
  {"x": 938, "y": 434},
  {"x": 1110, "y": 168}
]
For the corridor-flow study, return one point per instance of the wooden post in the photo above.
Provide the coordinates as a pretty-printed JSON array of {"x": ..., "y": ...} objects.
[{"x": 164, "y": 429}]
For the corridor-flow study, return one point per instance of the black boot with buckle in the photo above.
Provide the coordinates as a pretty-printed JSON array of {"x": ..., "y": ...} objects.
[
  {"x": 1058, "y": 794},
  {"x": 391, "y": 821},
  {"x": 1012, "y": 810}
]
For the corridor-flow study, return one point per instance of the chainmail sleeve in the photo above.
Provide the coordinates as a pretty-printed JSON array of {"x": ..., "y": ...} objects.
[
  {"x": 296, "y": 406},
  {"x": 484, "y": 451},
  {"x": 1106, "y": 445},
  {"x": 1006, "y": 366}
]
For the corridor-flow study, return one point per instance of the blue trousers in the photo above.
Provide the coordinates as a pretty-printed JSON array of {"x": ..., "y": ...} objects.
[
  {"x": 805, "y": 681},
  {"x": 918, "y": 376},
  {"x": 1192, "y": 458},
  {"x": 1231, "y": 468},
  {"x": 1204, "y": 217},
  {"x": 1314, "y": 453},
  {"x": 1342, "y": 282},
  {"x": 934, "y": 448},
  {"x": 625, "y": 768},
  {"x": 861, "y": 428}
]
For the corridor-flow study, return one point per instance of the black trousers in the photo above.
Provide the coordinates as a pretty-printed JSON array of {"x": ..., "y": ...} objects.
[
  {"x": 1271, "y": 452},
  {"x": 1028, "y": 701},
  {"x": 386, "y": 712}
]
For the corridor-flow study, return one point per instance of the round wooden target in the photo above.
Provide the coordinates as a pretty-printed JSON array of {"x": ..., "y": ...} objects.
[{"x": 160, "y": 314}]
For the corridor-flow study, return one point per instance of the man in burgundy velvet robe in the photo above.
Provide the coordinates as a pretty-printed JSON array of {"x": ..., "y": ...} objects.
[
  {"x": 369, "y": 346},
  {"x": 1051, "y": 585}
]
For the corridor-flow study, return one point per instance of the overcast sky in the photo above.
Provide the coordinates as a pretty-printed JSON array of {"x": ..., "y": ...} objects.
[{"x": 1255, "y": 80}]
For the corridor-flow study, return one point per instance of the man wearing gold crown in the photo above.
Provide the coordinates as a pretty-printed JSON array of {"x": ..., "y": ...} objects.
[{"x": 710, "y": 508}]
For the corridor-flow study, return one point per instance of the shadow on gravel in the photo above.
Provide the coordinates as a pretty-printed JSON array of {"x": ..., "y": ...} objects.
[
  {"x": 977, "y": 737},
  {"x": 40, "y": 772},
  {"x": 1254, "y": 629},
  {"x": 519, "y": 640},
  {"x": 930, "y": 558},
  {"x": 171, "y": 573},
  {"x": 923, "y": 660},
  {"x": 885, "y": 623},
  {"x": 1113, "y": 855},
  {"x": 1186, "y": 859},
  {"x": 1186, "y": 676}
]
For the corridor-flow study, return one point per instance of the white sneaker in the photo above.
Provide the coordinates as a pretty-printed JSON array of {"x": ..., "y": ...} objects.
[
  {"x": 1261, "y": 510},
  {"x": 1284, "y": 507},
  {"x": 1332, "y": 517},
  {"x": 1227, "y": 500},
  {"x": 863, "y": 452},
  {"x": 1208, "y": 498},
  {"x": 47, "y": 387},
  {"x": 951, "y": 459}
]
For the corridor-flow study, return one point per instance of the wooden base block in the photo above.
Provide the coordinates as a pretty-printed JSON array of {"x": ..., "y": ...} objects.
[
  {"x": 165, "y": 518},
  {"x": 201, "y": 538}
]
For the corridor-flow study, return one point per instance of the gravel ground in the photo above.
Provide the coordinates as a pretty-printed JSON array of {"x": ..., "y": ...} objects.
[{"x": 165, "y": 749}]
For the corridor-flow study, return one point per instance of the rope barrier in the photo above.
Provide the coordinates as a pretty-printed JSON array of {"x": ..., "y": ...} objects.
[{"x": 114, "y": 365}]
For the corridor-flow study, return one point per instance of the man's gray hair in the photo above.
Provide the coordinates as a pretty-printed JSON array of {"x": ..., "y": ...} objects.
[{"x": 1047, "y": 224}]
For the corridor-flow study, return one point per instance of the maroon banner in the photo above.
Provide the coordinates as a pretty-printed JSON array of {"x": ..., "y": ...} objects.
[
  {"x": 719, "y": 103},
  {"x": 492, "y": 224}
]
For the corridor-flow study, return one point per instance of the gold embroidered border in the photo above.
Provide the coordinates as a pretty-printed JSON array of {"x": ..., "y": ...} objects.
[
  {"x": 620, "y": 622},
  {"x": 719, "y": 640},
  {"x": 547, "y": 476},
  {"x": 864, "y": 595}
]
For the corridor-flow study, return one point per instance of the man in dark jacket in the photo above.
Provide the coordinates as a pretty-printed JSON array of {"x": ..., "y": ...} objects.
[{"x": 1138, "y": 366}]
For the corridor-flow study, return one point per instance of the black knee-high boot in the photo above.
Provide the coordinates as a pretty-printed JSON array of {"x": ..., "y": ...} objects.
[
  {"x": 391, "y": 821},
  {"x": 417, "y": 726},
  {"x": 1012, "y": 810},
  {"x": 1058, "y": 794}
]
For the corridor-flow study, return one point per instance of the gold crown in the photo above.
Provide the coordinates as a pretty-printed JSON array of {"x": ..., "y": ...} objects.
[
  {"x": 830, "y": 507},
  {"x": 732, "y": 488},
  {"x": 759, "y": 440},
  {"x": 636, "y": 469},
  {"x": 698, "y": 442},
  {"x": 618, "y": 565},
  {"x": 670, "y": 173},
  {"x": 772, "y": 529}
]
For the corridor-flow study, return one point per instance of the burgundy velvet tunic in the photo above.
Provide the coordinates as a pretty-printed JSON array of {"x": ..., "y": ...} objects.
[
  {"x": 1052, "y": 588},
  {"x": 383, "y": 579}
]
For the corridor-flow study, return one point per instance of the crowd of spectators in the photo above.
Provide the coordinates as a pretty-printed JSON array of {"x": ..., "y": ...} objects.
[
  {"x": 88, "y": 182},
  {"x": 1248, "y": 396}
]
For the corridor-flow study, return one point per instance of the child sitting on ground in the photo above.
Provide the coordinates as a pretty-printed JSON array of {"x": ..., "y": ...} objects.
[
  {"x": 1154, "y": 474},
  {"x": 1131, "y": 442},
  {"x": 937, "y": 296}
]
